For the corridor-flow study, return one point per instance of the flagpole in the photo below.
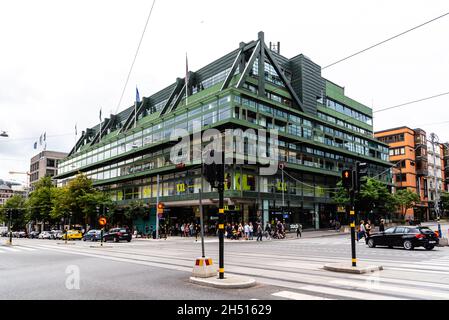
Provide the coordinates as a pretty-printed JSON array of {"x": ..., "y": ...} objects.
[{"x": 187, "y": 80}]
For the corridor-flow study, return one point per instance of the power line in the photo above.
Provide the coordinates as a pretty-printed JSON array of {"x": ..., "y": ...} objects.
[
  {"x": 412, "y": 102},
  {"x": 135, "y": 57},
  {"x": 384, "y": 41}
]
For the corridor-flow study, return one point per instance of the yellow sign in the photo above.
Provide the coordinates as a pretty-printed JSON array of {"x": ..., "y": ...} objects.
[
  {"x": 181, "y": 187},
  {"x": 281, "y": 186},
  {"x": 102, "y": 221}
]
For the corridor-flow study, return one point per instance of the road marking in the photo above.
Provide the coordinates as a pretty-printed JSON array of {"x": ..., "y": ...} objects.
[
  {"x": 10, "y": 249},
  {"x": 382, "y": 287},
  {"x": 26, "y": 248},
  {"x": 297, "y": 296},
  {"x": 348, "y": 293},
  {"x": 417, "y": 270}
]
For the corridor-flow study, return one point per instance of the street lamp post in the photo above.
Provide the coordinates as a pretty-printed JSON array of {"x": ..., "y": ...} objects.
[{"x": 10, "y": 226}]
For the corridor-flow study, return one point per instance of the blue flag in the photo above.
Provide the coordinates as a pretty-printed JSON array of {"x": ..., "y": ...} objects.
[
  {"x": 35, "y": 145},
  {"x": 137, "y": 95}
]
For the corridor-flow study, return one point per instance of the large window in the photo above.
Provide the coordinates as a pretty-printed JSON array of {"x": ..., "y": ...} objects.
[{"x": 334, "y": 105}]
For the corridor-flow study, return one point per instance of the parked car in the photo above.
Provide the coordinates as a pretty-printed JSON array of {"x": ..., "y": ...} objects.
[
  {"x": 408, "y": 237},
  {"x": 56, "y": 234},
  {"x": 92, "y": 235},
  {"x": 72, "y": 235},
  {"x": 45, "y": 235},
  {"x": 21, "y": 234},
  {"x": 33, "y": 234},
  {"x": 117, "y": 234}
]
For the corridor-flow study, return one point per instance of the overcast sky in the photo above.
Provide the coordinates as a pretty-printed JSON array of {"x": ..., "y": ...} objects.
[{"x": 60, "y": 61}]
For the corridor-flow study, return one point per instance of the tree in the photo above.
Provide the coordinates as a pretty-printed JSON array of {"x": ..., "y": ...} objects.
[
  {"x": 405, "y": 200},
  {"x": 80, "y": 200},
  {"x": 16, "y": 206},
  {"x": 40, "y": 202},
  {"x": 444, "y": 197},
  {"x": 373, "y": 196}
]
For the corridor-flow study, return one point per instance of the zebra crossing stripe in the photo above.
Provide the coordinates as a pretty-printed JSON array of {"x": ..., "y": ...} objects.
[
  {"x": 347, "y": 293},
  {"x": 297, "y": 296},
  {"x": 419, "y": 292},
  {"x": 10, "y": 249}
]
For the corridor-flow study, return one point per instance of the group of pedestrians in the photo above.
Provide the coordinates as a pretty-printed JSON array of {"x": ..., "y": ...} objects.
[{"x": 240, "y": 231}]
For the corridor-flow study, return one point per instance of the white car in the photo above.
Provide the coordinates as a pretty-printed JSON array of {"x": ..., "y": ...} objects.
[
  {"x": 45, "y": 235},
  {"x": 56, "y": 234}
]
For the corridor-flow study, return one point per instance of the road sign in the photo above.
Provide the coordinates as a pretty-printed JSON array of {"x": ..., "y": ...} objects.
[{"x": 102, "y": 221}]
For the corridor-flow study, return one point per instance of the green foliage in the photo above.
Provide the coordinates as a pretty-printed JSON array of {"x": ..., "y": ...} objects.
[
  {"x": 405, "y": 200},
  {"x": 444, "y": 197},
  {"x": 16, "y": 205},
  {"x": 40, "y": 202}
]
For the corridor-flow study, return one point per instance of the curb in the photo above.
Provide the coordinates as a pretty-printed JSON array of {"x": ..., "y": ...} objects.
[
  {"x": 349, "y": 269},
  {"x": 230, "y": 282}
]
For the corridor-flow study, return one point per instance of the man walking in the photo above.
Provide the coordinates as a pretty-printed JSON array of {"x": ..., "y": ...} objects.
[
  {"x": 259, "y": 232},
  {"x": 298, "y": 231},
  {"x": 362, "y": 231}
]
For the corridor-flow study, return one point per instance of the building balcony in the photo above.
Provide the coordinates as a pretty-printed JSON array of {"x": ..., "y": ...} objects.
[{"x": 422, "y": 172}]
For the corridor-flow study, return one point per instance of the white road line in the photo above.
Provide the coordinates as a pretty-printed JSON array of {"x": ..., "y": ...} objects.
[
  {"x": 10, "y": 249},
  {"x": 348, "y": 293},
  {"x": 382, "y": 287},
  {"x": 297, "y": 296},
  {"x": 418, "y": 270},
  {"x": 26, "y": 248}
]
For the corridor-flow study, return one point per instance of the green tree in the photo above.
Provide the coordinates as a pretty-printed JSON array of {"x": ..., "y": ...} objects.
[
  {"x": 16, "y": 205},
  {"x": 79, "y": 199},
  {"x": 444, "y": 197},
  {"x": 405, "y": 200},
  {"x": 40, "y": 202},
  {"x": 373, "y": 195}
]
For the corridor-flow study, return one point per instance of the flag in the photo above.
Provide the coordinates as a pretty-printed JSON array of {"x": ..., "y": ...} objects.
[
  {"x": 40, "y": 140},
  {"x": 45, "y": 136},
  {"x": 137, "y": 95},
  {"x": 76, "y": 131},
  {"x": 100, "y": 115},
  {"x": 35, "y": 145}
]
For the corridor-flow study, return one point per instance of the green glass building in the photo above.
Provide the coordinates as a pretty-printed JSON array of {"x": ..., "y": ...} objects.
[{"x": 321, "y": 131}]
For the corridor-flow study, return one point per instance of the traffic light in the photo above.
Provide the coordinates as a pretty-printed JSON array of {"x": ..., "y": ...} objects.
[
  {"x": 160, "y": 208},
  {"x": 361, "y": 170},
  {"x": 346, "y": 178},
  {"x": 213, "y": 172}
]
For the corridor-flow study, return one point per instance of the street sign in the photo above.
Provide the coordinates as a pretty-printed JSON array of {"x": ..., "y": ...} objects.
[{"x": 102, "y": 221}]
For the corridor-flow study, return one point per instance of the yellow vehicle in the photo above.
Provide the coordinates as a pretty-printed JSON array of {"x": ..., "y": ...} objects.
[{"x": 73, "y": 235}]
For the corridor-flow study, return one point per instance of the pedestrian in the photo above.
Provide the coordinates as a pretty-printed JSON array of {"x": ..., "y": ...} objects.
[
  {"x": 182, "y": 230},
  {"x": 259, "y": 232},
  {"x": 382, "y": 225},
  {"x": 192, "y": 227},
  {"x": 246, "y": 230},
  {"x": 240, "y": 231},
  {"x": 251, "y": 231},
  {"x": 268, "y": 231},
  {"x": 197, "y": 231},
  {"x": 298, "y": 230},
  {"x": 362, "y": 231},
  {"x": 367, "y": 229}
]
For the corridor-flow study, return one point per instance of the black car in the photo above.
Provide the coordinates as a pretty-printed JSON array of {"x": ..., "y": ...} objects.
[
  {"x": 408, "y": 237},
  {"x": 33, "y": 234},
  {"x": 92, "y": 235},
  {"x": 117, "y": 234}
]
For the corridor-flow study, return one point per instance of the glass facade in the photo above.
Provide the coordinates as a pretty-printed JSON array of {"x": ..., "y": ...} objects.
[{"x": 315, "y": 149}]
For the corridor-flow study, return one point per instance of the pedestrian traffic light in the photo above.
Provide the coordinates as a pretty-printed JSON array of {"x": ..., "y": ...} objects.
[{"x": 347, "y": 179}]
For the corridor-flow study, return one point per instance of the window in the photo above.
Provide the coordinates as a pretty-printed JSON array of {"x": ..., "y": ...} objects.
[{"x": 51, "y": 163}]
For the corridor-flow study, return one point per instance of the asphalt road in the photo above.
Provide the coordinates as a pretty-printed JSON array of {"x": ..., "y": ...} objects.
[{"x": 160, "y": 269}]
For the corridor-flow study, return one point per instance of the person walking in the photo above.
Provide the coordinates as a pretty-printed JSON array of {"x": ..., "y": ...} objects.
[
  {"x": 259, "y": 232},
  {"x": 362, "y": 231},
  {"x": 268, "y": 231},
  {"x": 251, "y": 231},
  {"x": 382, "y": 225},
  {"x": 246, "y": 231},
  {"x": 367, "y": 230},
  {"x": 197, "y": 231},
  {"x": 298, "y": 230}
]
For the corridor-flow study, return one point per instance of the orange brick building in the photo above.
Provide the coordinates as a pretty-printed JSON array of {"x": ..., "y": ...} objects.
[{"x": 412, "y": 167}]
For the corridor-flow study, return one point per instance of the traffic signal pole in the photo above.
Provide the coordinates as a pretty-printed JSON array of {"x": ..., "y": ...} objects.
[
  {"x": 221, "y": 228},
  {"x": 221, "y": 216},
  {"x": 352, "y": 220}
]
